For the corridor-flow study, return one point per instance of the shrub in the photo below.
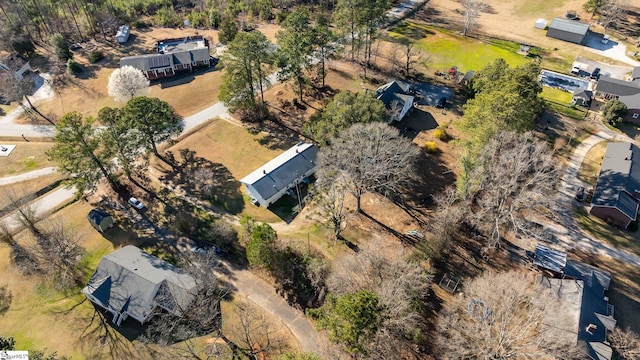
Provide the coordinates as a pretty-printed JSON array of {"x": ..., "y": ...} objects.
[
  {"x": 441, "y": 133},
  {"x": 95, "y": 56},
  {"x": 73, "y": 67},
  {"x": 431, "y": 147},
  {"x": 61, "y": 47},
  {"x": 140, "y": 24},
  {"x": 167, "y": 17},
  {"x": 214, "y": 18},
  {"x": 198, "y": 19}
]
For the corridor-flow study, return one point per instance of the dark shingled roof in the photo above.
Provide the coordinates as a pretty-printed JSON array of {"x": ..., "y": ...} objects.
[
  {"x": 96, "y": 216},
  {"x": 582, "y": 93},
  {"x": 280, "y": 172},
  {"x": 571, "y": 26},
  {"x": 132, "y": 280},
  {"x": 619, "y": 179},
  {"x": 617, "y": 87}
]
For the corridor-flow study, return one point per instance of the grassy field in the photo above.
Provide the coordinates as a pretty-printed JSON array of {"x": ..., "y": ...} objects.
[
  {"x": 43, "y": 318},
  {"x": 556, "y": 95},
  {"x": 590, "y": 167},
  {"x": 236, "y": 152},
  {"x": 445, "y": 49},
  {"x": 25, "y": 157}
]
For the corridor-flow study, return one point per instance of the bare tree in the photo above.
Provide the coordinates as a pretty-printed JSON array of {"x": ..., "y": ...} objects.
[
  {"x": 372, "y": 157},
  {"x": 126, "y": 83},
  {"x": 626, "y": 343},
  {"x": 256, "y": 338},
  {"x": 445, "y": 223},
  {"x": 406, "y": 55},
  {"x": 612, "y": 13},
  {"x": 397, "y": 282},
  {"x": 328, "y": 201},
  {"x": 513, "y": 177},
  {"x": 201, "y": 315},
  {"x": 503, "y": 316},
  {"x": 14, "y": 89},
  {"x": 472, "y": 10},
  {"x": 57, "y": 249}
]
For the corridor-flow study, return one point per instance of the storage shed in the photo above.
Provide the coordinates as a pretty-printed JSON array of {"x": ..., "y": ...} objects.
[
  {"x": 568, "y": 30},
  {"x": 123, "y": 34},
  {"x": 541, "y": 24},
  {"x": 100, "y": 220}
]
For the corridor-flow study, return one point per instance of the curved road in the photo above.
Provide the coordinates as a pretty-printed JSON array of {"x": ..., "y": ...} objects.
[{"x": 570, "y": 234}]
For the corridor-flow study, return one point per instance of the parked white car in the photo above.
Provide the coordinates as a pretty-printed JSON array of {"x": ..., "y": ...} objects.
[{"x": 136, "y": 203}]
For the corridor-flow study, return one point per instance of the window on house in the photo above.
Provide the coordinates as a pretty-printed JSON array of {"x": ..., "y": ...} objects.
[{"x": 636, "y": 115}]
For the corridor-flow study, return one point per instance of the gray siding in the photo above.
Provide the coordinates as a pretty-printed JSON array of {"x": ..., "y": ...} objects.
[{"x": 566, "y": 36}]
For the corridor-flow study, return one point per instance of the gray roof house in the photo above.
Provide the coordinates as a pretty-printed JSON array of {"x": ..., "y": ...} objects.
[
  {"x": 568, "y": 30},
  {"x": 582, "y": 312},
  {"x": 131, "y": 283},
  {"x": 615, "y": 198},
  {"x": 100, "y": 220},
  {"x": 581, "y": 97},
  {"x": 396, "y": 98},
  {"x": 270, "y": 182},
  {"x": 635, "y": 74},
  {"x": 626, "y": 91},
  {"x": 173, "y": 55}
]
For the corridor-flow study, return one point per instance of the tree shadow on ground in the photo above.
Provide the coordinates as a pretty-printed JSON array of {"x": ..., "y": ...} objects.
[
  {"x": 205, "y": 180},
  {"x": 432, "y": 177},
  {"x": 418, "y": 121}
]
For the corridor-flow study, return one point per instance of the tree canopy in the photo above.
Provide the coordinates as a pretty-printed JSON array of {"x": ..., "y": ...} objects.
[
  {"x": 344, "y": 110},
  {"x": 154, "y": 119},
  {"x": 614, "y": 111},
  {"x": 505, "y": 99},
  {"x": 247, "y": 63},
  {"x": 126, "y": 83},
  {"x": 352, "y": 319},
  {"x": 79, "y": 153},
  {"x": 296, "y": 46}
]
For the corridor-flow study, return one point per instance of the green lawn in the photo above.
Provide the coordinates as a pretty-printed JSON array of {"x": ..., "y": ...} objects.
[
  {"x": 445, "y": 49},
  {"x": 560, "y": 101},
  {"x": 556, "y": 95}
]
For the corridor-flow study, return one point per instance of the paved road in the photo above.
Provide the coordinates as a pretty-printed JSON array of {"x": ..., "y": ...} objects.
[
  {"x": 27, "y": 176},
  {"x": 570, "y": 235},
  {"x": 263, "y": 294},
  {"x": 43, "y": 205}
]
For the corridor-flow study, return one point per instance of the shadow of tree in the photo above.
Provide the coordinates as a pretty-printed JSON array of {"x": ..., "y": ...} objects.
[{"x": 205, "y": 180}]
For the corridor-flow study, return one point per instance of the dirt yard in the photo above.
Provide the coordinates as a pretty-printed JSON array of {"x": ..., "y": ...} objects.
[{"x": 510, "y": 19}]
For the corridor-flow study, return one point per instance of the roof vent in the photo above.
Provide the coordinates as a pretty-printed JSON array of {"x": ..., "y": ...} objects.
[
  {"x": 264, "y": 171},
  {"x": 591, "y": 328},
  {"x": 297, "y": 151},
  {"x": 135, "y": 269}
]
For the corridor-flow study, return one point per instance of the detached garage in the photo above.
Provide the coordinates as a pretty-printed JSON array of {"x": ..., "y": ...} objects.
[{"x": 568, "y": 30}]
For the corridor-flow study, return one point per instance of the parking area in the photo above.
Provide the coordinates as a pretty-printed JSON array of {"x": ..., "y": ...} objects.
[
  {"x": 617, "y": 72},
  {"x": 428, "y": 94},
  {"x": 561, "y": 81}
]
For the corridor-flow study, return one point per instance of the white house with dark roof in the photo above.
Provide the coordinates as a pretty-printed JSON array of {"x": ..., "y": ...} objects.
[
  {"x": 615, "y": 198},
  {"x": 270, "y": 182},
  {"x": 396, "y": 98},
  {"x": 14, "y": 65},
  {"x": 568, "y": 30},
  {"x": 131, "y": 283}
]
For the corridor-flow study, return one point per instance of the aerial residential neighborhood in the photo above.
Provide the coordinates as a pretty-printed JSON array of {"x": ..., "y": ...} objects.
[{"x": 408, "y": 179}]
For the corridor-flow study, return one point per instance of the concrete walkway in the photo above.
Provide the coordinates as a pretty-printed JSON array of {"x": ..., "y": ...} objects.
[
  {"x": 7, "y": 180},
  {"x": 570, "y": 235}
]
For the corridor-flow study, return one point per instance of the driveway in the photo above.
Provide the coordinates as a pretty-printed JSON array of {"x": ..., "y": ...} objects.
[
  {"x": 616, "y": 72},
  {"x": 428, "y": 94},
  {"x": 569, "y": 233},
  {"x": 613, "y": 49}
]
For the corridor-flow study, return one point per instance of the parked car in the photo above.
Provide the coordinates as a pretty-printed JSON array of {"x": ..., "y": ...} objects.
[
  {"x": 136, "y": 203},
  {"x": 605, "y": 39},
  {"x": 580, "y": 196},
  {"x": 595, "y": 75},
  {"x": 575, "y": 70}
]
